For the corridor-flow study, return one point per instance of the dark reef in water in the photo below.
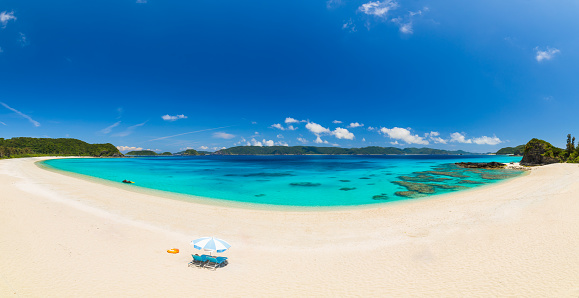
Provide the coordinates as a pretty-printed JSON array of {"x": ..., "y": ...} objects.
[
  {"x": 268, "y": 175},
  {"x": 422, "y": 178},
  {"x": 481, "y": 165},
  {"x": 260, "y": 195},
  {"x": 451, "y": 187},
  {"x": 347, "y": 188},
  {"x": 305, "y": 184},
  {"x": 444, "y": 173},
  {"x": 409, "y": 194},
  {"x": 364, "y": 178},
  {"x": 344, "y": 180},
  {"x": 416, "y": 187},
  {"x": 380, "y": 197},
  {"x": 470, "y": 182}
]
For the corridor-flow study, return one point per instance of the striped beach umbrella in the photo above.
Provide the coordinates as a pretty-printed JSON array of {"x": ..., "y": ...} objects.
[{"x": 210, "y": 244}]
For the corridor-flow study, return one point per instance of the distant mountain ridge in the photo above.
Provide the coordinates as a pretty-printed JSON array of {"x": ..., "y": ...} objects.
[{"x": 312, "y": 150}]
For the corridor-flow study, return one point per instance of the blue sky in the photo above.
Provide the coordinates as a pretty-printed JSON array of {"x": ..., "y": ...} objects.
[{"x": 170, "y": 75}]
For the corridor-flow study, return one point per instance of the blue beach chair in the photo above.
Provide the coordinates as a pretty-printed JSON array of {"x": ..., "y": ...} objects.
[
  {"x": 216, "y": 262},
  {"x": 199, "y": 261}
]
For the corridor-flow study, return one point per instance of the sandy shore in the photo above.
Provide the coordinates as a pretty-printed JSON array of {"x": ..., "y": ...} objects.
[{"x": 62, "y": 236}]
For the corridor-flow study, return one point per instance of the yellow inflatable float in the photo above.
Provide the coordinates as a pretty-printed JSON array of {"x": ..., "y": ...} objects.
[{"x": 173, "y": 251}]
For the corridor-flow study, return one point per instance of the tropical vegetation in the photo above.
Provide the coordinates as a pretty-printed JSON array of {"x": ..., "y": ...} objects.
[{"x": 28, "y": 147}]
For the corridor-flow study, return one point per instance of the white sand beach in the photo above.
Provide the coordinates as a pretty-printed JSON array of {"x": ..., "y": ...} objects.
[{"x": 62, "y": 236}]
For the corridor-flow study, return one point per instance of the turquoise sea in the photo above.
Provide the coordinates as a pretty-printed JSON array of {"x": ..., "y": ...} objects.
[{"x": 296, "y": 180}]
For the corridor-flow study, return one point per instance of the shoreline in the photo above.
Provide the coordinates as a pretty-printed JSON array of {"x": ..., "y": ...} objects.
[
  {"x": 249, "y": 205},
  {"x": 65, "y": 236}
]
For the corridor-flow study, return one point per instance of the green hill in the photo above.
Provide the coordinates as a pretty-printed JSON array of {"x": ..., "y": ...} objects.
[
  {"x": 142, "y": 153},
  {"x": 512, "y": 150},
  {"x": 166, "y": 154},
  {"x": 25, "y": 147},
  {"x": 191, "y": 152},
  {"x": 310, "y": 150}
]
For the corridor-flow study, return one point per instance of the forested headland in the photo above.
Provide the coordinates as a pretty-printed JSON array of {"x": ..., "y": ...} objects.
[{"x": 30, "y": 147}]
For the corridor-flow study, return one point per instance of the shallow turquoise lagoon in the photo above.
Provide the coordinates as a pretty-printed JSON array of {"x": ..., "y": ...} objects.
[{"x": 296, "y": 180}]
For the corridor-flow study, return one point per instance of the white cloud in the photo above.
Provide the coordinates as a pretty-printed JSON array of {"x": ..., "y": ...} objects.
[
  {"x": 355, "y": 124},
  {"x": 254, "y": 142},
  {"x": 316, "y": 128},
  {"x": 342, "y": 133},
  {"x": 484, "y": 140},
  {"x": 110, "y": 128},
  {"x": 333, "y": 3},
  {"x": 363, "y": 139},
  {"x": 173, "y": 118},
  {"x": 281, "y": 143},
  {"x": 548, "y": 54},
  {"x": 278, "y": 126},
  {"x": 291, "y": 127},
  {"x": 129, "y": 148},
  {"x": 435, "y": 137},
  {"x": 280, "y": 136},
  {"x": 129, "y": 130},
  {"x": 186, "y": 133},
  {"x": 336, "y": 121},
  {"x": 459, "y": 138},
  {"x": 35, "y": 123},
  {"x": 378, "y": 8},
  {"x": 395, "y": 143},
  {"x": 223, "y": 135},
  {"x": 268, "y": 143},
  {"x": 253, "y": 122},
  {"x": 370, "y": 128},
  {"x": 218, "y": 148},
  {"x": 203, "y": 148},
  {"x": 3, "y": 123},
  {"x": 5, "y": 17},
  {"x": 302, "y": 140},
  {"x": 403, "y": 134},
  {"x": 319, "y": 140},
  {"x": 291, "y": 120}
]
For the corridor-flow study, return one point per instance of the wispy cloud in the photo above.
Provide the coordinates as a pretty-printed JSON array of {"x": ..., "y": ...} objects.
[
  {"x": 35, "y": 123},
  {"x": 110, "y": 128},
  {"x": 5, "y": 17},
  {"x": 129, "y": 130},
  {"x": 547, "y": 54},
  {"x": 302, "y": 140},
  {"x": 378, "y": 8},
  {"x": 435, "y": 137},
  {"x": 173, "y": 118},
  {"x": 190, "y": 132},
  {"x": 23, "y": 40},
  {"x": 289, "y": 120},
  {"x": 349, "y": 26},
  {"x": 223, "y": 135},
  {"x": 3, "y": 123},
  {"x": 281, "y": 127},
  {"x": 142, "y": 1},
  {"x": 403, "y": 134},
  {"x": 336, "y": 121},
  {"x": 1, "y": 50},
  {"x": 355, "y": 124}
]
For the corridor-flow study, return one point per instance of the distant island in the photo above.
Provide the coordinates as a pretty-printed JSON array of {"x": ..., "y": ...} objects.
[
  {"x": 311, "y": 150},
  {"x": 517, "y": 151},
  {"x": 141, "y": 153},
  {"x": 30, "y": 147}
]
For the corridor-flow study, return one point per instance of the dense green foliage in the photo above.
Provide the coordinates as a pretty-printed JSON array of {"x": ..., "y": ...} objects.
[
  {"x": 305, "y": 150},
  {"x": 166, "y": 153},
  {"x": 25, "y": 147},
  {"x": 191, "y": 152},
  {"x": 142, "y": 153},
  {"x": 512, "y": 150}
]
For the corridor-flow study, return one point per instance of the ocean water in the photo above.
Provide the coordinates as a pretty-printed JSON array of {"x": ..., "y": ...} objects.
[{"x": 296, "y": 180}]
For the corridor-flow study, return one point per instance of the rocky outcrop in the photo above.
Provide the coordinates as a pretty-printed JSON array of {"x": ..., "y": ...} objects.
[
  {"x": 481, "y": 165},
  {"x": 539, "y": 152}
]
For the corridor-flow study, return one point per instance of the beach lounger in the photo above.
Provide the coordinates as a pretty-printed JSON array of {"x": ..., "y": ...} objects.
[
  {"x": 216, "y": 262},
  {"x": 198, "y": 261}
]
